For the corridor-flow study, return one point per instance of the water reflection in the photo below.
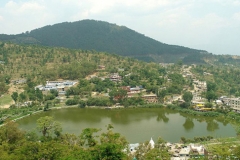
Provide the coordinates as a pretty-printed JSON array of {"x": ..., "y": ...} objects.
[
  {"x": 212, "y": 125},
  {"x": 136, "y": 124},
  {"x": 223, "y": 120},
  {"x": 78, "y": 115},
  {"x": 200, "y": 119},
  {"x": 162, "y": 117},
  {"x": 188, "y": 125},
  {"x": 127, "y": 116}
]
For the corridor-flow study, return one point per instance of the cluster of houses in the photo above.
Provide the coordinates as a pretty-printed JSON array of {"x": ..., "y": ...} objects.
[
  {"x": 115, "y": 77},
  {"x": 165, "y": 65},
  {"x": 60, "y": 86},
  {"x": 197, "y": 100},
  {"x": 201, "y": 86},
  {"x": 132, "y": 91},
  {"x": 181, "y": 152},
  {"x": 233, "y": 103},
  {"x": 176, "y": 150}
]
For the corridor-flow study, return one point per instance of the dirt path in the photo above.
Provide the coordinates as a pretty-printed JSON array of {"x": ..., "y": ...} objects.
[
  {"x": 15, "y": 88},
  {"x": 7, "y": 105}
]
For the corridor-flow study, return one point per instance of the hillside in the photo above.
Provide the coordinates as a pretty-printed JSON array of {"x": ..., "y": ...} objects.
[{"x": 106, "y": 37}]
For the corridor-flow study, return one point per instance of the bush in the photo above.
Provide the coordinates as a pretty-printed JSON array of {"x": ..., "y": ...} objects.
[
  {"x": 70, "y": 102},
  {"x": 82, "y": 104}
]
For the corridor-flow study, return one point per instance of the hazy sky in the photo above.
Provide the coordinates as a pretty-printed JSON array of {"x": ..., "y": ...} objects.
[{"x": 212, "y": 25}]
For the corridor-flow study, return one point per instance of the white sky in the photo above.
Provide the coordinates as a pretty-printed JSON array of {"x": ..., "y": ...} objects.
[{"x": 212, "y": 25}]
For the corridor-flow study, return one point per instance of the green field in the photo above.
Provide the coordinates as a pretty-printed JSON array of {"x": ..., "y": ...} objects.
[{"x": 5, "y": 99}]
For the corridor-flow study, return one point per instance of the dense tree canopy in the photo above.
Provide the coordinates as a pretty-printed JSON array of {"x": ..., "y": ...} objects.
[{"x": 105, "y": 37}]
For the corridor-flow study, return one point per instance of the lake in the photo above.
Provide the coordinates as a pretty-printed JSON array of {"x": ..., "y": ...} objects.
[{"x": 136, "y": 124}]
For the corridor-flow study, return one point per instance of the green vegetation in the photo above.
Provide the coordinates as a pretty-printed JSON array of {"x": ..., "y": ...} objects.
[
  {"x": 38, "y": 64},
  {"x": 4, "y": 81},
  {"x": 52, "y": 143},
  {"x": 168, "y": 85},
  {"x": 5, "y": 99},
  {"x": 106, "y": 37},
  {"x": 222, "y": 81},
  {"x": 16, "y": 144}
]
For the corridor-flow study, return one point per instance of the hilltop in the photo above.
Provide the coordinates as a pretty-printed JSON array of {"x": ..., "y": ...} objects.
[{"x": 106, "y": 37}]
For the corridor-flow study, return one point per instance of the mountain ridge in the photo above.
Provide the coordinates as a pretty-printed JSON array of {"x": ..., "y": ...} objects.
[{"x": 105, "y": 37}]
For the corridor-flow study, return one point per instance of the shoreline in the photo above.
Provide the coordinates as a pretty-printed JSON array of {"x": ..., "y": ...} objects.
[{"x": 94, "y": 107}]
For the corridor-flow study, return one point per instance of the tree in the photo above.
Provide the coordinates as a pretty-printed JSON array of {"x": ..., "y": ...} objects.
[
  {"x": 160, "y": 151},
  {"x": 10, "y": 133},
  {"x": 111, "y": 147},
  {"x": 211, "y": 86},
  {"x": 22, "y": 97},
  {"x": 142, "y": 150},
  {"x": 39, "y": 95},
  {"x": 14, "y": 96},
  {"x": 54, "y": 92},
  {"x": 3, "y": 88},
  {"x": 46, "y": 125},
  {"x": 183, "y": 140},
  {"x": 187, "y": 97},
  {"x": 87, "y": 138},
  {"x": 118, "y": 95},
  {"x": 211, "y": 95},
  {"x": 208, "y": 105},
  {"x": 184, "y": 105},
  {"x": 220, "y": 151},
  {"x": 236, "y": 152}
]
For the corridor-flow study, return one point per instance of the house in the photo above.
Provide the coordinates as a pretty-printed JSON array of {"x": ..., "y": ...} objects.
[
  {"x": 133, "y": 147},
  {"x": 185, "y": 152},
  {"x": 207, "y": 74},
  {"x": 133, "y": 90},
  {"x": 115, "y": 77},
  {"x": 191, "y": 151},
  {"x": 49, "y": 87},
  {"x": 234, "y": 103},
  {"x": 61, "y": 92},
  {"x": 218, "y": 102},
  {"x": 126, "y": 88},
  {"x": 176, "y": 97},
  {"x": 166, "y": 64},
  {"x": 197, "y": 150},
  {"x": 40, "y": 87},
  {"x": 151, "y": 98},
  {"x": 136, "y": 89},
  {"x": 196, "y": 96},
  {"x": 56, "y": 85},
  {"x": 19, "y": 81},
  {"x": 101, "y": 67}
]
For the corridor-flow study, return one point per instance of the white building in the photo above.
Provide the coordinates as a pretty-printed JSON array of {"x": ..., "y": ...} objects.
[
  {"x": 234, "y": 103},
  {"x": 151, "y": 143},
  {"x": 56, "y": 85}
]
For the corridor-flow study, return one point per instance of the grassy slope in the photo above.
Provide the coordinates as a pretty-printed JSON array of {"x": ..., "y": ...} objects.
[{"x": 6, "y": 99}]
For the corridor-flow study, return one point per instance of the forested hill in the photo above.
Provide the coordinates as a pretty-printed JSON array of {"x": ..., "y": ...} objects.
[{"x": 106, "y": 37}]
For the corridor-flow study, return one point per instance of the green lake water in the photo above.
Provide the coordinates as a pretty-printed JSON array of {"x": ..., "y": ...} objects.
[{"x": 136, "y": 124}]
